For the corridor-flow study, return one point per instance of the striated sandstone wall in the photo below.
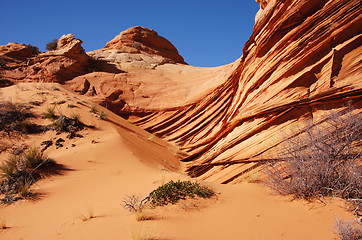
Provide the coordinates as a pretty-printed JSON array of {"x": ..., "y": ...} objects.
[{"x": 303, "y": 57}]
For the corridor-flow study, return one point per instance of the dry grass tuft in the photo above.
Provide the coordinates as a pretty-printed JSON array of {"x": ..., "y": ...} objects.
[
  {"x": 143, "y": 215},
  {"x": 348, "y": 230},
  {"x": 49, "y": 113},
  {"x": 322, "y": 161},
  {"x": 88, "y": 215},
  {"x": 139, "y": 233},
  {"x": 3, "y": 225}
]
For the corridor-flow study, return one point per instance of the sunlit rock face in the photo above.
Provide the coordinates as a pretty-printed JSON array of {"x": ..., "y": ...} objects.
[
  {"x": 67, "y": 61},
  {"x": 302, "y": 60},
  {"x": 303, "y": 57}
]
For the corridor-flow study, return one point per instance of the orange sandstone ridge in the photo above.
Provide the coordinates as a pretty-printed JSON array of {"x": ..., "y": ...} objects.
[{"x": 303, "y": 58}]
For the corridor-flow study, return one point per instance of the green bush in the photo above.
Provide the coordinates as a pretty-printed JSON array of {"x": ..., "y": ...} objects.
[
  {"x": 172, "y": 192},
  {"x": 52, "y": 45}
]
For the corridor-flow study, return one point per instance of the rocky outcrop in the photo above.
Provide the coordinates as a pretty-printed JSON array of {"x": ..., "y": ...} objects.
[
  {"x": 138, "y": 47},
  {"x": 145, "y": 41},
  {"x": 15, "y": 51},
  {"x": 66, "y": 62},
  {"x": 303, "y": 58}
]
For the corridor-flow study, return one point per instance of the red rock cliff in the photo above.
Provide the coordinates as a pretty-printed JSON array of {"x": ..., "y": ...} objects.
[{"x": 303, "y": 57}]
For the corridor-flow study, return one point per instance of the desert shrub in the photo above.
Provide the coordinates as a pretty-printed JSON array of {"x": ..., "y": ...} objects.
[
  {"x": 348, "y": 230},
  {"x": 23, "y": 188},
  {"x": 103, "y": 115},
  {"x": 66, "y": 124},
  {"x": 8, "y": 167},
  {"x": 28, "y": 127},
  {"x": 11, "y": 115},
  {"x": 172, "y": 192},
  {"x": 76, "y": 117},
  {"x": 132, "y": 203},
  {"x": 94, "y": 109},
  {"x": 34, "y": 158},
  {"x": 49, "y": 113},
  {"x": 34, "y": 49},
  {"x": 323, "y": 160},
  {"x": 19, "y": 172},
  {"x": 52, "y": 45}
]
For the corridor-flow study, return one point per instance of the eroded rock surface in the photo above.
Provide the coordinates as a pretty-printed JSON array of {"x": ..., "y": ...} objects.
[
  {"x": 64, "y": 63},
  {"x": 302, "y": 59}
]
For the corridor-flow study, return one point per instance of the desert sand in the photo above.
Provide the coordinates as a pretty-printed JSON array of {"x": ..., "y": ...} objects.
[{"x": 117, "y": 159}]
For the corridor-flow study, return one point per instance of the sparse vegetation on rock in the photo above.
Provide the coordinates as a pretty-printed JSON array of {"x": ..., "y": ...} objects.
[
  {"x": 34, "y": 49},
  {"x": 52, "y": 45},
  {"x": 324, "y": 161}
]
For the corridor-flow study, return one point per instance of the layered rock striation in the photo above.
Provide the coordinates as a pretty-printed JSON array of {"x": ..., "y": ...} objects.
[{"x": 302, "y": 59}]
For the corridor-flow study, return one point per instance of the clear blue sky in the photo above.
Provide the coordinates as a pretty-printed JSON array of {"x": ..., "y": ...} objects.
[{"x": 206, "y": 33}]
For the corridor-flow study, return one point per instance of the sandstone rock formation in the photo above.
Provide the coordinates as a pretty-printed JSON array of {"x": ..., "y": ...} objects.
[
  {"x": 143, "y": 40},
  {"x": 138, "y": 47},
  {"x": 66, "y": 62},
  {"x": 303, "y": 58}
]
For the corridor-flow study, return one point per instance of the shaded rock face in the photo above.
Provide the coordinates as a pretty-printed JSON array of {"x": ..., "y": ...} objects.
[{"x": 15, "y": 51}]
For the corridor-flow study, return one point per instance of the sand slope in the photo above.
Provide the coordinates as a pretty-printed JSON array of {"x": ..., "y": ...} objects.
[{"x": 118, "y": 159}]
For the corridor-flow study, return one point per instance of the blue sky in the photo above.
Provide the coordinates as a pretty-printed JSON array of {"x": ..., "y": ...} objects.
[{"x": 206, "y": 33}]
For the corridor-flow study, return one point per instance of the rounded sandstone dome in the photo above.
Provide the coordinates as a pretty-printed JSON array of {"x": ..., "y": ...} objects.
[{"x": 146, "y": 41}]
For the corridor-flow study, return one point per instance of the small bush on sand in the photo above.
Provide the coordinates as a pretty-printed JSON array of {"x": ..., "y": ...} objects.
[
  {"x": 133, "y": 204},
  {"x": 49, "y": 113},
  {"x": 52, "y": 45},
  {"x": 348, "y": 230},
  {"x": 11, "y": 115},
  {"x": 34, "y": 158},
  {"x": 172, "y": 192},
  {"x": 19, "y": 172},
  {"x": 8, "y": 167},
  {"x": 76, "y": 117},
  {"x": 24, "y": 188},
  {"x": 323, "y": 161}
]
